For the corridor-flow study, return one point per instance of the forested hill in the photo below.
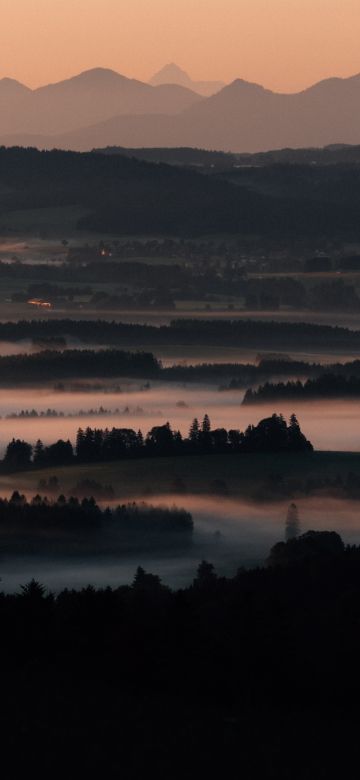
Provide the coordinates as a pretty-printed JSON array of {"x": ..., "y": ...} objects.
[
  {"x": 184, "y": 156},
  {"x": 231, "y": 332},
  {"x": 124, "y": 195}
]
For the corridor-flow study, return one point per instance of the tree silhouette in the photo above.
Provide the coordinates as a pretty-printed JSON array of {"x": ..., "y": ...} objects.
[
  {"x": 39, "y": 451},
  {"x": 205, "y": 575},
  {"x": 194, "y": 432},
  {"x": 292, "y": 525},
  {"x": 18, "y": 454},
  {"x": 33, "y": 590}
]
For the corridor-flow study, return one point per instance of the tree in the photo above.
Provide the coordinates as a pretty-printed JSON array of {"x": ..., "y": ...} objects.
[
  {"x": 160, "y": 439},
  {"x": 313, "y": 545},
  {"x": 206, "y": 425},
  {"x": 205, "y": 575},
  {"x": 17, "y": 499},
  {"x": 59, "y": 453},
  {"x": 144, "y": 581},
  {"x": 236, "y": 439},
  {"x": 205, "y": 436},
  {"x": 39, "y": 452},
  {"x": 219, "y": 439},
  {"x": 194, "y": 431},
  {"x": 33, "y": 590},
  {"x": 80, "y": 437},
  {"x": 296, "y": 439},
  {"x": 18, "y": 454},
  {"x": 292, "y": 525}
]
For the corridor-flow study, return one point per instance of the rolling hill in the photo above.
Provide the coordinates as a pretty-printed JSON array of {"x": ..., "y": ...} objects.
[{"x": 127, "y": 196}]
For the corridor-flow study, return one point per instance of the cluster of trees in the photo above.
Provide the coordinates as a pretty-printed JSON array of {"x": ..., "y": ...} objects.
[
  {"x": 77, "y": 362},
  {"x": 32, "y": 414},
  {"x": 272, "y": 434},
  {"x": 326, "y": 386},
  {"x": 278, "y": 367},
  {"x": 311, "y": 546},
  {"x": 53, "y": 523},
  {"x": 224, "y": 670}
]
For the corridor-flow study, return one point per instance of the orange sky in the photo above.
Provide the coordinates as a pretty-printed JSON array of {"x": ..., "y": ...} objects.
[{"x": 283, "y": 44}]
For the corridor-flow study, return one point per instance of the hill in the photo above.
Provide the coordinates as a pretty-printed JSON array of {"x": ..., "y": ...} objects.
[
  {"x": 185, "y": 156},
  {"x": 120, "y": 195}
]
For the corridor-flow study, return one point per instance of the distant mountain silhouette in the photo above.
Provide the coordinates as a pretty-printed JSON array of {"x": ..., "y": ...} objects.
[
  {"x": 172, "y": 74},
  {"x": 90, "y": 97},
  {"x": 242, "y": 117}
]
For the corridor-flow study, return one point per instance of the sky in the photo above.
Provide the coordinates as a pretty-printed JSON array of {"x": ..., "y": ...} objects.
[{"x": 285, "y": 45}]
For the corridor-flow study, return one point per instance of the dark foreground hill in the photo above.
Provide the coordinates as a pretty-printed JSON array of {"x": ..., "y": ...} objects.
[
  {"x": 124, "y": 195},
  {"x": 258, "y": 672}
]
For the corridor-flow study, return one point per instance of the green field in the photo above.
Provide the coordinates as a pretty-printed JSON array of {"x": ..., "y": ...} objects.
[
  {"x": 244, "y": 475},
  {"x": 60, "y": 221}
]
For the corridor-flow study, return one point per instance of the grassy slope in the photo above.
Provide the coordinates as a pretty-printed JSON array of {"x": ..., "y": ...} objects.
[{"x": 244, "y": 474}]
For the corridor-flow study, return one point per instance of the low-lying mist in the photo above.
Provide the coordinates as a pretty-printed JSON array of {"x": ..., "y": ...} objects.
[
  {"x": 189, "y": 354},
  {"x": 228, "y": 533},
  {"x": 330, "y": 425}
]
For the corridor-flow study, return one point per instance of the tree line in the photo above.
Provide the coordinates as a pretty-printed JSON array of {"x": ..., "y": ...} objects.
[
  {"x": 71, "y": 513},
  {"x": 77, "y": 362},
  {"x": 272, "y": 434},
  {"x": 238, "y": 332},
  {"x": 326, "y": 386},
  {"x": 111, "y": 363},
  {"x": 69, "y": 524}
]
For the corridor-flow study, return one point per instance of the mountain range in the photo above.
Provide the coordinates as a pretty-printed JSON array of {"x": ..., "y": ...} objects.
[
  {"x": 101, "y": 108},
  {"x": 90, "y": 97}
]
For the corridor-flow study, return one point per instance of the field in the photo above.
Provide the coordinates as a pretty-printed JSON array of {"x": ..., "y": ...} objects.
[
  {"x": 58, "y": 222},
  {"x": 243, "y": 475}
]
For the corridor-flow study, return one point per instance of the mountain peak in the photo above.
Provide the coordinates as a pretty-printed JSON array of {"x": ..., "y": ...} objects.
[
  {"x": 94, "y": 77},
  {"x": 240, "y": 88},
  {"x": 173, "y": 74},
  {"x": 98, "y": 75},
  {"x": 12, "y": 85}
]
